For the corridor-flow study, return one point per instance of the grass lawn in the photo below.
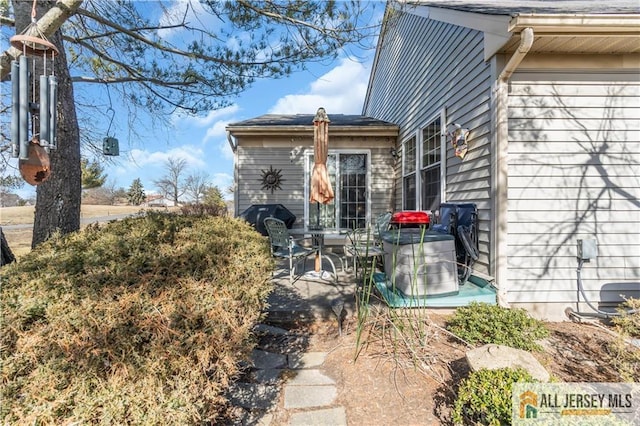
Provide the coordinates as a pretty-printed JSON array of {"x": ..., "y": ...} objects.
[{"x": 20, "y": 239}]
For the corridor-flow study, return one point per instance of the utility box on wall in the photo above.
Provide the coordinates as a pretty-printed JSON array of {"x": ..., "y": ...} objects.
[{"x": 587, "y": 249}]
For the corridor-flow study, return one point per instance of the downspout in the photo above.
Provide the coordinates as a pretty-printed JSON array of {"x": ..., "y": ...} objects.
[
  {"x": 500, "y": 165},
  {"x": 233, "y": 143}
]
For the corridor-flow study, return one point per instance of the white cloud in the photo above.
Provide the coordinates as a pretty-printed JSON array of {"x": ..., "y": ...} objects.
[
  {"x": 215, "y": 121},
  {"x": 191, "y": 154},
  {"x": 216, "y": 131},
  {"x": 340, "y": 91},
  {"x": 222, "y": 181},
  {"x": 189, "y": 11},
  {"x": 149, "y": 165}
]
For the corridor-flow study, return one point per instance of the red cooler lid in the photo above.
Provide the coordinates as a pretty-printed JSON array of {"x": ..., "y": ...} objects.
[{"x": 410, "y": 217}]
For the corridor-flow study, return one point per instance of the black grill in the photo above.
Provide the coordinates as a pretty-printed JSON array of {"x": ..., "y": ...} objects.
[{"x": 257, "y": 213}]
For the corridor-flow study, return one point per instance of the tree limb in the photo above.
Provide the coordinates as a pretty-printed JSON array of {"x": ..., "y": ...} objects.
[
  {"x": 152, "y": 43},
  {"x": 281, "y": 17},
  {"x": 7, "y": 22},
  {"x": 47, "y": 25}
]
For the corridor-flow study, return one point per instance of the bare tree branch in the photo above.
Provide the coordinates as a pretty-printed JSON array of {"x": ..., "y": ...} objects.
[{"x": 47, "y": 25}]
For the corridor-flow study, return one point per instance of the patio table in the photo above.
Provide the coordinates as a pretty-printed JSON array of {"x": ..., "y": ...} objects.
[{"x": 317, "y": 236}]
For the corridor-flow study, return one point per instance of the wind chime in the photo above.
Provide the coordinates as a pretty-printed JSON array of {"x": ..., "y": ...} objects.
[{"x": 32, "y": 145}]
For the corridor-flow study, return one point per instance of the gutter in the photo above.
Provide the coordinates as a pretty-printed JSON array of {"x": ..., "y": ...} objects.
[
  {"x": 500, "y": 164},
  {"x": 233, "y": 143},
  {"x": 526, "y": 41}
]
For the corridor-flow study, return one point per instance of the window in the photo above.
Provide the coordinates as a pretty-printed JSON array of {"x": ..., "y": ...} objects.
[
  {"x": 430, "y": 165},
  {"x": 350, "y": 207},
  {"x": 353, "y": 192},
  {"x": 409, "y": 174},
  {"x": 423, "y": 168}
]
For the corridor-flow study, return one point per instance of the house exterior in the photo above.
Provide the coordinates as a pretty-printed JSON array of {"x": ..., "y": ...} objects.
[
  {"x": 550, "y": 95},
  {"x": 158, "y": 201},
  {"x": 274, "y": 161}
]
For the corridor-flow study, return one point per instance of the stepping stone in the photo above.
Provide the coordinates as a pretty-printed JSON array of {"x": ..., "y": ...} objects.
[
  {"x": 494, "y": 357},
  {"x": 264, "y": 360},
  {"x": 309, "y": 396},
  {"x": 270, "y": 376},
  {"x": 253, "y": 395},
  {"x": 264, "y": 329},
  {"x": 307, "y": 360},
  {"x": 310, "y": 378},
  {"x": 329, "y": 416}
]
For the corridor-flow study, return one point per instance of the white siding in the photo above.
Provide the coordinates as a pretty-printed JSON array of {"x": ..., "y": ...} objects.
[
  {"x": 574, "y": 163},
  {"x": 423, "y": 66}
]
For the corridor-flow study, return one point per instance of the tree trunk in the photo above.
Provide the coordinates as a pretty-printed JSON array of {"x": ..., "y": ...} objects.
[
  {"x": 6, "y": 254},
  {"x": 57, "y": 199}
]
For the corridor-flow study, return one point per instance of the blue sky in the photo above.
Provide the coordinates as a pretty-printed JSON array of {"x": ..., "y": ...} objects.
[
  {"x": 202, "y": 141},
  {"x": 338, "y": 86}
]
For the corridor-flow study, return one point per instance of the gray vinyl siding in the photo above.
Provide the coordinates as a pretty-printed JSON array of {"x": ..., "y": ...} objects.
[
  {"x": 423, "y": 66},
  {"x": 574, "y": 163},
  {"x": 251, "y": 161}
]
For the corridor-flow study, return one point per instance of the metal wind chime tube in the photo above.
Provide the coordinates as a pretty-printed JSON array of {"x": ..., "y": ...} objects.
[
  {"x": 44, "y": 112},
  {"x": 15, "y": 109},
  {"x": 24, "y": 107},
  {"x": 53, "y": 117}
]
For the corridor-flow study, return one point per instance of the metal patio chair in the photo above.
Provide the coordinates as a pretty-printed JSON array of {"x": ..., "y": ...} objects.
[
  {"x": 381, "y": 225},
  {"x": 284, "y": 246},
  {"x": 362, "y": 248}
]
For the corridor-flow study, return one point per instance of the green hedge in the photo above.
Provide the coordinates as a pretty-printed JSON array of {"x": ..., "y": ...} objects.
[
  {"x": 481, "y": 323},
  {"x": 484, "y": 398},
  {"x": 141, "y": 321}
]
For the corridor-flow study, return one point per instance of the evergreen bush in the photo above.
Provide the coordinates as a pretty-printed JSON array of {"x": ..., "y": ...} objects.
[
  {"x": 140, "y": 321},
  {"x": 485, "y": 396},
  {"x": 481, "y": 323}
]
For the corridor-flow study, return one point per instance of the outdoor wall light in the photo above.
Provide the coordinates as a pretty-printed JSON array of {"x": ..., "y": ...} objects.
[
  {"x": 394, "y": 153},
  {"x": 294, "y": 153}
]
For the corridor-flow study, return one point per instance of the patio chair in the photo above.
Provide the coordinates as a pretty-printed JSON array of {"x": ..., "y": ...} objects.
[
  {"x": 461, "y": 221},
  {"x": 381, "y": 225},
  {"x": 283, "y": 246},
  {"x": 362, "y": 248}
]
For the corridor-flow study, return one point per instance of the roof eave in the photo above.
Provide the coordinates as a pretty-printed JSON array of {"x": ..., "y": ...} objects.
[
  {"x": 580, "y": 24},
  {"x": 500, "y": 29},
  {"x": 308, "y": 130}
]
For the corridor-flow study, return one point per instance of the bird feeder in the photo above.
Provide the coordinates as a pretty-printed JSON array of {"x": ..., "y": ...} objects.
[{"x": 110, "y": 146}]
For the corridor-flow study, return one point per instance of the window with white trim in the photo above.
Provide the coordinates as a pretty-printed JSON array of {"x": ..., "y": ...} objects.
[
  {"x": 349, "y": 176},
  {"x": 423, "y": 167},
  {"x": 409, "y": 173},
  {"x": 430, "y": 166}
]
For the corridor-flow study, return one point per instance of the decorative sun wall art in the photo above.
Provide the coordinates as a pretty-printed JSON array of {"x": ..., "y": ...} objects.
[{"x": 271, "y": 179}]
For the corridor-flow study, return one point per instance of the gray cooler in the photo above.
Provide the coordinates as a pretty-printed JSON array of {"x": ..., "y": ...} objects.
[{"x": 420, "y": 263}]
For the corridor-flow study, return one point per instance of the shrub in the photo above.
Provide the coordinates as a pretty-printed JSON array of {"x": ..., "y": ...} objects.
[
  {"x": 481, "y": 323},
  {"x": 485, "y": 396},
  {"x": 628, "y": 324},
  {"x": 624, "y": 356},
  {"x": 204, "y": 209},
  {"x": 141, "y": 321}
]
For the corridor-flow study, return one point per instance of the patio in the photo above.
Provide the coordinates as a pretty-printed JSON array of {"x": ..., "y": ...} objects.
[{"x": 309, "y": 298}]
